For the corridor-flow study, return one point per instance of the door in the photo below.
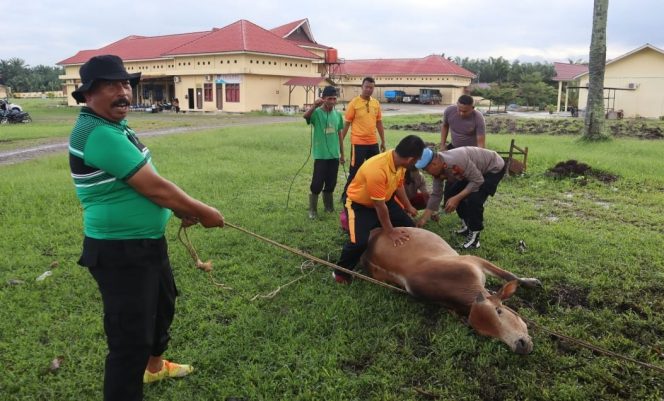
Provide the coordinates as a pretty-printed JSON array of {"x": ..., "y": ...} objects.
[
  {"x": 199, "y": 98},
  {"x": 220, "y": 96},
  {"x": 190, "y": 96}
]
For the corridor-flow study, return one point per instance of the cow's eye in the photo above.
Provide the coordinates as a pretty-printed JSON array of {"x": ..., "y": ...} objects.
[{"x": 499, "y": 311}]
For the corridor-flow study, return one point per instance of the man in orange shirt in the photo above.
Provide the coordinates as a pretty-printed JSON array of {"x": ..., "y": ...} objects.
[
  {"x": 371, "y": 201},
  {"x": 364, "y": 115}
]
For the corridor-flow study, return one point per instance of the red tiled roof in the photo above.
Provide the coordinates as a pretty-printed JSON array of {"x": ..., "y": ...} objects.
[
  {"x": 137, "y": 47},
  {"x": 284, "y": 30},
  {"x": 302, "y": 43},
  {"x": 240, "y": 36},
  {"x": 430, "y": 65},
  {"x": 567, "y": 72},
  {"x": 306, "y": 81}
]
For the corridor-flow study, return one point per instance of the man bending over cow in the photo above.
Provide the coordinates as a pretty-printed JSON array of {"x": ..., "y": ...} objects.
[
  {"x": 473, "y": 174},
  {"x": 371, "y": 201}
]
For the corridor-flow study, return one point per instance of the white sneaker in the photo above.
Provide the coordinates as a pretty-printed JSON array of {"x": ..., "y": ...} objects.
[{"x": 472, "y": 240}]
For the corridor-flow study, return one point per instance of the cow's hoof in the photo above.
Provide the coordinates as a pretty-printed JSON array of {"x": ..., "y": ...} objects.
[{"x": 530, "y": 282}]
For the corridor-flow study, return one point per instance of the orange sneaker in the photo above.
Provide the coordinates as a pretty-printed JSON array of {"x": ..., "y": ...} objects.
[{"x": 169, "y": 369}]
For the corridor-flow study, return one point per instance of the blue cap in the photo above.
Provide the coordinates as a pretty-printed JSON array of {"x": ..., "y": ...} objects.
[{"x": 426, "y": 158}]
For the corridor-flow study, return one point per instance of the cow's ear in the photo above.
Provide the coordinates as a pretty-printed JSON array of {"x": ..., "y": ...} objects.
[
  {"x": 480, "y": 298},
  {"x": 508, "y": 289}
]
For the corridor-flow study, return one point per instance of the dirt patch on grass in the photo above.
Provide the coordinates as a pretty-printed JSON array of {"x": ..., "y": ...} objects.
[
  {"x": 563, "y": 294},
  {"x": 420, "y": 127},
  {"x": 580, "y": 171}
]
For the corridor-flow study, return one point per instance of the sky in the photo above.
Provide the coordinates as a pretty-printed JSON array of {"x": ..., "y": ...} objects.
[{"x": 46, "y": 32}]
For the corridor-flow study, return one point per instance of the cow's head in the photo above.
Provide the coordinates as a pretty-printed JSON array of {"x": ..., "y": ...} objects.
[{"x": 490, "y": 318}]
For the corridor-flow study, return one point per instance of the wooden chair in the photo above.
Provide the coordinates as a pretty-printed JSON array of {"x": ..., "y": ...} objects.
[{"x": 514, "y": 166}]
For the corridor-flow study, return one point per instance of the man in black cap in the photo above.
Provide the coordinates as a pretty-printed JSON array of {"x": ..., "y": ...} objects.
[
  {"x": 126, "y": 206},
  {"x": 327, "y": 124}
]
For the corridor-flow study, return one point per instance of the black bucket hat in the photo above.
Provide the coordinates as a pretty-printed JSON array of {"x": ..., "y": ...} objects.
[{"x": 107, "y": 67}]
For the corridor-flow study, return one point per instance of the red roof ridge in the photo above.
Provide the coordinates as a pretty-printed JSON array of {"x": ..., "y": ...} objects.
[
  {"x": 286, "y": 29},
  {"x": 242, "y": 37},
  {"x": 239, "y": 36}
]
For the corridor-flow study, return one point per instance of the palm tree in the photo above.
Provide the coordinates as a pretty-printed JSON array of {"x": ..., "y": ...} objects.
[{"x": 594, "y": 121}]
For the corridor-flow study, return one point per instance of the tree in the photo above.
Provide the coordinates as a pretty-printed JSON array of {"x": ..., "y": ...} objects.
[
  {"x": 23, "y": 78},
  {"x": 498, "y": 94},
  {"x": 594, "y": 120},
  {"x": 534, "y": 92}
]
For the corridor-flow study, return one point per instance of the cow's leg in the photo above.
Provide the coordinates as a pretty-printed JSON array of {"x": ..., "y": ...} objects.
[
  {"x": 452, "y": 282},
  {"x": 495, "y": 271},
  {"x": 381, "y": 274}
]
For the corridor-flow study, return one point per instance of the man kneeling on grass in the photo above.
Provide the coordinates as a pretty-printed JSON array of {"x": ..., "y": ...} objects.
[
  {"x": 372, "y": 201},
  {"x": 126, "y": 206}
]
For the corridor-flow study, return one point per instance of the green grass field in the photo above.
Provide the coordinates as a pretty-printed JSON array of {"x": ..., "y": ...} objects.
[{"x": 596, "y": 247}]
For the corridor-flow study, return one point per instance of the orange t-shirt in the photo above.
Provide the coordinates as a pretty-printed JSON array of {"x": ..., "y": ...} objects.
[
  {"x": 377, "y": 179},
  {"x": 363, "y": 116}
]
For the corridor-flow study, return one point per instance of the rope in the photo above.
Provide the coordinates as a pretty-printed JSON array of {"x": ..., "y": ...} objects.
[
  {"x": 311, "y": 145},
  {"x": 590, "y": 346},
  {"x": 561, "y": 336},
  {"x": 205, "y": 266},
  {"x": 273, "y": 293},
  {"x": 316, "y": 259}
]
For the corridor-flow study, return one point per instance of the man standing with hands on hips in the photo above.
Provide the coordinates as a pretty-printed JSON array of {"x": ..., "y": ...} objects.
[
  {"x": 126, "y": 206},
  {"x": 363, "y": 117}
]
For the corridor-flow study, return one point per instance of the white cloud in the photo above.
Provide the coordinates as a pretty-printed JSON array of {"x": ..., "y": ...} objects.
[{"x": 47, "y": 31}]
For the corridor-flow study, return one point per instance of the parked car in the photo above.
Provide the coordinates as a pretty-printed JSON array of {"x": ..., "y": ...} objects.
[{"x": 6, "y": 106}]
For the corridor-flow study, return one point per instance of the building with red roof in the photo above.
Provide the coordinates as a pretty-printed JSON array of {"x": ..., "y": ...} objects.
[
  {"x": 243, "y": 67},
  {"x": 566, "y": 75}
]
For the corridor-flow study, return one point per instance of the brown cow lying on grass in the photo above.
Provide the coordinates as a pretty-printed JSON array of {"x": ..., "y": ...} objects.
[{"x": 428, "y": 268}]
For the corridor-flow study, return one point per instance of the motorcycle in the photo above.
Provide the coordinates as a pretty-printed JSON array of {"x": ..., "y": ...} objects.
[{"x": 14, "y": 117}]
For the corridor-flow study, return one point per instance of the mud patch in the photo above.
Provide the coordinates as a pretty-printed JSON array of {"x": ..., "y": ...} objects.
[
  {"x": 564, "y": 295},
  {"x": 579, "y": 171}
]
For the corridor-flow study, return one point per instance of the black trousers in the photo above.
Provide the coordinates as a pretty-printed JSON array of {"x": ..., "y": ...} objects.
[
  {"x": 361, "y": 220},
  {"x": 471, "y": 208},
  {"x": 325, "y": 176},
  {"x": 358, "y": 155},
  {"x": 138, "y": 291}
]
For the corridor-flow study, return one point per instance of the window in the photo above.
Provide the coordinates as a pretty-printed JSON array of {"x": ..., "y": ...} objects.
[
  {"x": 207, "y": 92},
  {"x": 232, "y": 92}
]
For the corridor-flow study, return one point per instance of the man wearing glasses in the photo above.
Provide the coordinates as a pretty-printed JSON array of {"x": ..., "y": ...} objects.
[{"x": 364, "y": 115}]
